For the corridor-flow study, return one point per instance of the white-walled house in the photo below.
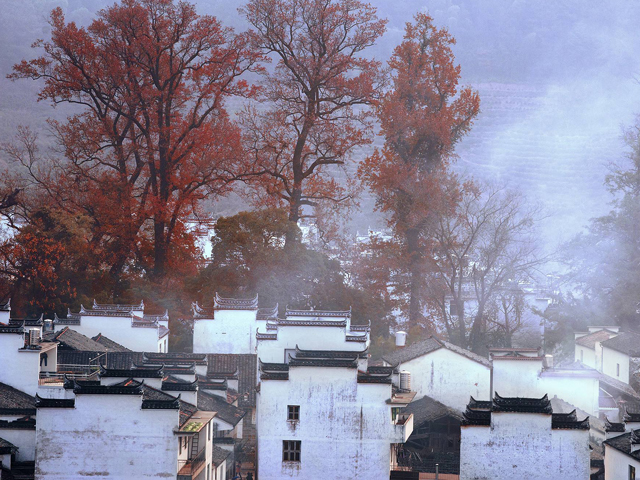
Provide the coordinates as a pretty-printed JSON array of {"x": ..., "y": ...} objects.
[
  {"x": 443, "y": 371},
  {"x": 24, "y": 358},
  {"x": 320, "y": 417},
  {"x": 622, "y": 456},
  {"x": 229, "y": 327},
  {"x": 587, "y": 349},
  {"x": 124, "y": 324},
  {"x": 525, "y": 373},
  {"x": 617, "y": 355},
  {"x": 510, "y": 438},
  {"x": 238, "y": 326},
  {"x": 310, "y": 330}
]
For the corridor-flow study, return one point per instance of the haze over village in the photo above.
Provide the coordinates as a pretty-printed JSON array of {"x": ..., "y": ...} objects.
[{"x": 319, "y": 239}]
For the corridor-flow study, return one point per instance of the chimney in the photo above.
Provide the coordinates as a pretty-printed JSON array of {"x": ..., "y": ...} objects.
[
  {"x": 401, "y": 339},
  {"x": 548, "y": 361}
]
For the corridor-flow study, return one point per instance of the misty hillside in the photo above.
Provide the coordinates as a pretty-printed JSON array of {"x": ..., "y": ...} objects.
[{"x": 556, "y": 80}]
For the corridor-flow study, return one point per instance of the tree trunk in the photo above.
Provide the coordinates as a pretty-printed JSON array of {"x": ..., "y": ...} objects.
[
  {"x": 291, "y": 235},
  {"x": 477, "y": 337},
  {"x": 415, "y": 274}
]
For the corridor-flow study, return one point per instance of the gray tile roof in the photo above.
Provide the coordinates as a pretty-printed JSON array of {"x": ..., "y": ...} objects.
[
  {"x": 627, "y": 343},
  {"x": 6, "y": 447},
  {"x": 622, "y": 443},
  {"x": 109, "y": 344},
  {"x": 225, "y": 411},
  {"x": 424, "y": 347},
  {"x": 427, "y": 409},
  {"x": 219, "y": 455},
  {"x": 74, "y": 340},
  {"x": 247, "y": 367},
  {"x": 16, "y": 402},
  {"x": 590, "y": 340}
]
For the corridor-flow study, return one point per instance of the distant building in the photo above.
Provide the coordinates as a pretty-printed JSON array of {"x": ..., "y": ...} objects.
[
  {"x": 443, "y": 371},
  {"x": 125, "y": 324},
  {"x": 525, "y": 372},
  {"x": 587, "y": 345},
  {"x": 620, "y": 354},
  {"x": 509, "y": 438}
]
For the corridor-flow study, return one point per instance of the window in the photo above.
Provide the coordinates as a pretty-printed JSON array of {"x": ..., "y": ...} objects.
[
  {"x": 291, "y": 450},
  {"x": 453, "y": 307},
  {"x": 180, "y": 446},
  {"x": 209, "y": 430},
  {"x": 394, "y": 413},
  {"x": 293, "y": 412},
  {"x": 632, "y": 472},
  {"x": 617, "y": 369}
]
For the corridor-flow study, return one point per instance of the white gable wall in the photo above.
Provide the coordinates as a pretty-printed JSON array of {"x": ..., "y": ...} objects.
[
  {"x": 106, "y": 437},
  {"x": 307, "y": 338},
  {"x": 231, "y": 331},
  {"x": 523, "y": 445},
  {"x": 449, "y": 378}
]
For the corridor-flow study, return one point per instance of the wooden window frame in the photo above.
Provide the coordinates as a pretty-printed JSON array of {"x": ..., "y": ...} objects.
[
  {"x": 291, "y": 450},
  {"x": 293, "y": 413}
]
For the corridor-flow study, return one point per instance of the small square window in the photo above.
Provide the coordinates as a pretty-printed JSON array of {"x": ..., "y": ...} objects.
[
  {"x": 293, "y": 412},
  {"x": 291, "y": 450}
]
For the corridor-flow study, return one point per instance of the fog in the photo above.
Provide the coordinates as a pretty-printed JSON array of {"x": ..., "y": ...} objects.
[{"x": 557, "y": 81}]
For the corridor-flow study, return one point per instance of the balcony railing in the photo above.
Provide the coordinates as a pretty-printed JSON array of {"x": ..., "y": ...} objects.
[
  {"x": 57, "y": 379},
  {"x": 189, "y": 469}
]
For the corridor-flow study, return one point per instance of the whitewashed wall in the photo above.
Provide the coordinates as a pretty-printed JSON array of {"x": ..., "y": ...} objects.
[
  {"x": 525, "y": 378},
  {"x": 585, "y": 355},
  {"x": 616, "y": 464},
  {"x": 106, "y": 437},
  {"x": 307, "y": 338},
  {"x": 611, "y": 358},
  {"x": 231, "y": 331},
  {"x": 18, "y": 368},
  {"x": 598, "y": 353},
  {"x": 345, "y": 427},
  {"x": 523, "y": 445},
  {"x": 449, "y": 378},
  {"x": 25, "y": 440}
]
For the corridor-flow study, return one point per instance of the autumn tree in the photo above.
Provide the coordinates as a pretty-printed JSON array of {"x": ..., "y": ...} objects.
[
  {"x": 422, "y": 118},
  {"x": 313, "y": 116},
  {"x": 151, "y": 138}
]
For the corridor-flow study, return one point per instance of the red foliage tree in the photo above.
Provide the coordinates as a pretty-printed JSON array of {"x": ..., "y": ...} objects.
[
  {"x": 152, "y": 138},
  {"x": 422, "y": 118},
  {"x": 314, "y": 118}
]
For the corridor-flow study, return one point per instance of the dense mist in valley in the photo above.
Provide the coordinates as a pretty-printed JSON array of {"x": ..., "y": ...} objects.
[{"x": 557, "y": 82}]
